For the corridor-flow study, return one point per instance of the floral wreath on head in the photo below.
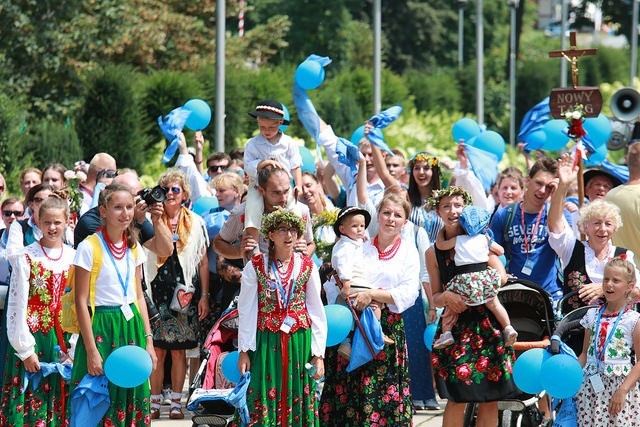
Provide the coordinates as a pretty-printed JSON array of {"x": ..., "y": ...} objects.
[
  {"x": 422, "y": 156},
  {"x": 272, "y": 220},
  {"x": 434, "y": 201}
]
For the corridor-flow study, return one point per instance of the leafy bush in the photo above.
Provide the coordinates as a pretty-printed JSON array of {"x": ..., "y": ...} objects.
[
  {"x": 13, "y": 154},
  {"x": 110, "y": 120},
  {"x": 434, "y": 91},
  {"x": 54, "y": 143}
]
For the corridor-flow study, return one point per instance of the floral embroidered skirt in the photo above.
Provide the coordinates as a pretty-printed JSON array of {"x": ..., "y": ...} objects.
[
  {"x": 268, "y": 395},
  {"x": 42, "y": 405},
  {"x": 476, "y": 288},
  {"x": 377, "y": 393},
  {"x": 593, "y": 408},
  {"x": 129, "y": 406},
  {"x": 477, "y": 367}
]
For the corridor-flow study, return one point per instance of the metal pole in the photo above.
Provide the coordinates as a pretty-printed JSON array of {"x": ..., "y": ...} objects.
[
  {"x": 460, "y": 35},
  {"x": 564, "y": 12},
  {"x": 220, "y": 68},
  {"x": 512, "y": 76},
  {"x": 480, "y": 63},
  {"x": 634, "y": 43},
  {"x": 377, "y": 55}
]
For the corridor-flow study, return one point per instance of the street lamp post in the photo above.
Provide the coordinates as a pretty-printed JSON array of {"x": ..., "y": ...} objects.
[
  {"x": 220, "y": 77},
  {"x": 513, "y": 6},
  {"x": 634, "y": 43},
  {"x": 480, "y": 62},
  {"x": 377, "y": 55},
  {"x": 564, "y": 12},
  {"x": 461, "y": 4}
]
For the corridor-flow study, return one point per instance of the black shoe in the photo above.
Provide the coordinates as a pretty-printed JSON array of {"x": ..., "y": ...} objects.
[{"x": 431, "y": 405}]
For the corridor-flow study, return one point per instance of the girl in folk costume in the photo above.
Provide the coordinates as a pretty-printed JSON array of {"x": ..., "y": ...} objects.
[
  {"x": 282, "y": 327},
  {"x": 38, "y": 281},
  {"x": 609, "y": 395},
  {"x": 176, "y": 282},
  {"x": 119, "y": 316}
]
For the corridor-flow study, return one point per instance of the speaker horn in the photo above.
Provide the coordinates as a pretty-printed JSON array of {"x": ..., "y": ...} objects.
[
  {"x": 620, "y": 134},
  {"x": 625, "y": 104}
]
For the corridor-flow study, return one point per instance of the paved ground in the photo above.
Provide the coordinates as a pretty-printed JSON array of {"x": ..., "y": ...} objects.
[{"x": 421, "y": 419}]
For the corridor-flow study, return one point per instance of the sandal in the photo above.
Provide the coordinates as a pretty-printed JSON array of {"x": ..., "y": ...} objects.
[
  {"x": 176, "y": 407},
  {"x": 156, "y": 400}
]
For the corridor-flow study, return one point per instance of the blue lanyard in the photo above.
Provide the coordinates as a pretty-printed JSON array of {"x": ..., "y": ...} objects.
[
  {"x": 123, "y": 283},
  {"x": 285, "y": 299},
  {"x": 606, "y": 342}
]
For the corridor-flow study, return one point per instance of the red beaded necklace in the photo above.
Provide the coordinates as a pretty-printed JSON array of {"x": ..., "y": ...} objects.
[
  {"x": 47, "y": 255},
  {"x": 118, "y": 252},
  {"x": 389, "y": 253}
]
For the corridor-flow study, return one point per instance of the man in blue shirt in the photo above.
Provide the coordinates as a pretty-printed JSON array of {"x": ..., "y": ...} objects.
[{"x": 522, "y": 230}]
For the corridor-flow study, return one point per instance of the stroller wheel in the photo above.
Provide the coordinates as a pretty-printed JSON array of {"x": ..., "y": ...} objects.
[{"x": 209, "y": 421}]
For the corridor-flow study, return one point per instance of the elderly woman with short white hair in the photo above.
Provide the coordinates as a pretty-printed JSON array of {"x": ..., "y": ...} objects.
[{"x": 583, "y": 261}]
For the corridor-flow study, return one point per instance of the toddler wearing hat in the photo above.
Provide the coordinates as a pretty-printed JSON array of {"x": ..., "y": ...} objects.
[
  {"x": 347, "y": 259},
  {"x": 475, "y": 282},
  {"x": 270, "y": 148}
]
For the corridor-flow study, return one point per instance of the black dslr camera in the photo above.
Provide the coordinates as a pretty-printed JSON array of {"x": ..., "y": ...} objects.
[{"x": 153, "y": 195}]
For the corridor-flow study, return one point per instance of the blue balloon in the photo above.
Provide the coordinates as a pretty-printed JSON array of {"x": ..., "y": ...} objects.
[
  {"x": 200, "y": 114},
  {"x": 287, "y": 117},
  {"x": 308, "y": 161},
  {"x": 357, "y": 135},
  {"x": 596, "y": 158},
  {"x": 527, "y": 369},
  {"x": 599, "y": 129},
  {"x": 556, "y": 132},
  {"x": 204, "y": 205},
  {"x": 128, "y": 366},
  {"x": 429, "y": 335},
  {"x": 561, "y": 376},
  {"x": 535, "y": 140},
  {"x": 309, "y": 75},
  {"x": 491, "y": 142},
  {"x": 230, "y": 367},
  {"x": 339, "y": 323},
  {"x": 466, "y": 129}
]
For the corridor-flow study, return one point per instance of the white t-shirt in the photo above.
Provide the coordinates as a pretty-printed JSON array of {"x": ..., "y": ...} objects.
[
  {"x": 347, "y": 258},
  {"x": 471, "y": 249},
  {"x": 109, "y": 290}
]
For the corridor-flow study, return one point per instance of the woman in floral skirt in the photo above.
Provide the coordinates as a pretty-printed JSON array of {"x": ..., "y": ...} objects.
[
  {"x": 377, "y": 393},
  {"x": 282, "y": 327},
  {"x": 477, "y": 368}
]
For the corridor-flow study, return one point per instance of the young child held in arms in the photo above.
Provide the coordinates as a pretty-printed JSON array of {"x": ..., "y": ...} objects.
[
  {"x": 38, "y": 281},
  {"x": 609, "y": 395},
  {"x": 271, "y": 147},
  {"x": 475, "y": 282},
  {"x": 348, "y": 260}
]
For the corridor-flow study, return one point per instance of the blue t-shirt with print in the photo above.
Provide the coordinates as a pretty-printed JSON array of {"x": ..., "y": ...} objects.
[{"x": 543, "y": 259}]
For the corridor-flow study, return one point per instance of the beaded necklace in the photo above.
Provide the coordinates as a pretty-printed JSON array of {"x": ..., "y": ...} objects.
[
  {"x": 47, "y": 255},
  {"x": 389, "y": 253},
  {"x": 117, "y": 252}
]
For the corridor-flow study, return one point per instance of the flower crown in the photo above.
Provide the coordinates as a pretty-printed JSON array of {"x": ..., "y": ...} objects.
[
  {"x": 423, "y": 156},
  {"x": 272, "y": 220},
  {"x": 434, "y": 201}
]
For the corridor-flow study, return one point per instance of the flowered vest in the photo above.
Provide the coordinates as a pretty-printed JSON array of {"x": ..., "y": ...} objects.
[
  {"x": 45, "y": 290},
  {"x": 271, "y": 314}
]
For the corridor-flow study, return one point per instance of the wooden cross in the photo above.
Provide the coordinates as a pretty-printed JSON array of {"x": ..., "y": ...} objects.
[{"x": 572, "y": 55}]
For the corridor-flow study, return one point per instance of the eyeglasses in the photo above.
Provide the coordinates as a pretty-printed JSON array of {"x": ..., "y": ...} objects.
[
  {"x": 285, "y": 230},
  {"x": 14, "y": 213},
  {"x": 107, "y": 173},
  {"x": 215, "y": 168},
  {"x": 174, "y": 190},
  {"x": 38, "y": 200}
]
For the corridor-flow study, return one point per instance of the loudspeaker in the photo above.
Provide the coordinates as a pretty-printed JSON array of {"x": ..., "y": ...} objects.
[
  {"x": 625, "y": 104},
  {"x": 620, "y": 134}
]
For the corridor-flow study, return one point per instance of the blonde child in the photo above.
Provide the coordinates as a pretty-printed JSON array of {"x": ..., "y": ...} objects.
[
  {"x": 271, "y": 147},
  {"x": 120, "y": 316},
  {"x": 609, "y": 395},
  {"x": 38, "y": 281},
  {"x": 475, "y": 281}
]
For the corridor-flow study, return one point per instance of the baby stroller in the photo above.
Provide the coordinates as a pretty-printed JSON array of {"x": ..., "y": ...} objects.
[
  {"x": 531, "y": 313},
  {"x": 220, "y": 341}
]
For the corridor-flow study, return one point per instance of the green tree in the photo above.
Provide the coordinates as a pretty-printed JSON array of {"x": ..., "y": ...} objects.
[
  {"x": 51, "y": 142},
  {"x": 13, "y": 153},
  {"x": 110, "y": 120}
]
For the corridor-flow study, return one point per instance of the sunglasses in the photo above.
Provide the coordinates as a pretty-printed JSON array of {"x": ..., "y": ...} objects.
[
  {"x": 174, "y": 190},
  {"x": 238, "y": 171},
  {"x": 107, "y": 173},
  {"x": 215, "y": 168},
  {"x": 14, "y": 213}
]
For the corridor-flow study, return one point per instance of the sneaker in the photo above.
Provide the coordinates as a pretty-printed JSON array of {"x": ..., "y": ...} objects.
[
  {"x": 345, "y": 351},
  {"x": 418, "y": 405},
  {"x": 166, "y": 396},
  {"x": 431, "y": 405},
  {"x": 510, "y": 336},
  {"x": 445, "y": 340}
]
